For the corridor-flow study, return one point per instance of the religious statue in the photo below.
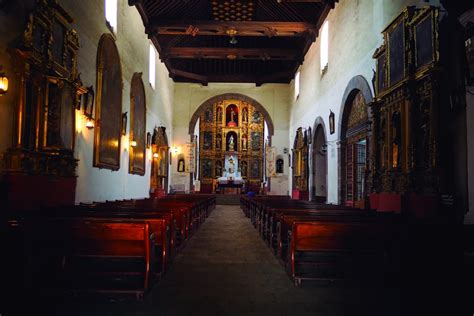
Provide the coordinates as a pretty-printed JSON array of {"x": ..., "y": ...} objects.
[
  {"x": 218, "y": 141},
  {"x": 244, "y": 115},
  {"x": 232, "y": 114},
  {"x": 231, "y": 142},
  {"x": 232, "y": 121},
  {"x": 244, "y": 143}
]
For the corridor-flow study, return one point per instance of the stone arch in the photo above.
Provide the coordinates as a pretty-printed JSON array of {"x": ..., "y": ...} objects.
[
  {"x": 235, "y": 96},
  {"x": 319, "y": 185},
  {"x": 357, "y": 84}
]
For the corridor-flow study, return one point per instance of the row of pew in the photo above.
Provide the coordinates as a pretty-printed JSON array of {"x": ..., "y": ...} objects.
[
  {"x": 110, "y": 247},
  {"x": 324, "y": 242}
]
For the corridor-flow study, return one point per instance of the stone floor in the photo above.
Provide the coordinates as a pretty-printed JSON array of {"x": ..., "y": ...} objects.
[{"x": 226, "y": 269}]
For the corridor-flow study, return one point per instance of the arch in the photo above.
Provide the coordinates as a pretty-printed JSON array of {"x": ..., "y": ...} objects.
[
  {"x": 356, "y": 84},
  {"x": 108, "y": 108},
  {"x": 235, "y": 96},
  {"x": 319, "y": 165}
]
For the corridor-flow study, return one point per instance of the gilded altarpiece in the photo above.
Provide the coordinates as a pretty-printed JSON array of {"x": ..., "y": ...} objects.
[
  {"x": 406, "y": 106},
  {"x": 49, "y": 91},
  {"x": 231, "y": 128},
  {"x": 300, "y": 165}
]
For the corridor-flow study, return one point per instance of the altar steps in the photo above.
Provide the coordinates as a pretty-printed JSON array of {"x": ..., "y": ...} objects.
[{"x": 228, "y": 199}]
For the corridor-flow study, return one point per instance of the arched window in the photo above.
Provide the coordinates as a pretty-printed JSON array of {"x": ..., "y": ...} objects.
[
  {"x": 137, "y": 125},
  {"x": 108, "y": 110},
  {"x": 152, "y": 66},
  {"x": 324, "y": 47},
  {"x": 111, "y": 14}
]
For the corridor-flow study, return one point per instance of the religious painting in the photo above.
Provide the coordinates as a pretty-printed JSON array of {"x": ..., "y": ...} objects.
[
  {"x": 137, "y": 153},
  {"x": 208, "y": 116},
  {"x": 206, "y": 168},
  {"x": 396, "y": 45},
  {"x": 256, "y": 117},
  {"x": 381, "y": 72},
  {"x": 207, "y": 140},
  {"x": 108, "y": 105},
  {"x": 232, "y": 115},
  {"x": 424, "y": 42},
  {"x": 59, "y": 119},
  {"x": 255, "y": 169},
  {"x": 89, "y": 102},
  {"x": 255, "y": 137}
]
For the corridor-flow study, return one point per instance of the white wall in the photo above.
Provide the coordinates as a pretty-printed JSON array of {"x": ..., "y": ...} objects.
[
  {"x": 95, "y": 184},
  {"x": 273, "y": 97}
]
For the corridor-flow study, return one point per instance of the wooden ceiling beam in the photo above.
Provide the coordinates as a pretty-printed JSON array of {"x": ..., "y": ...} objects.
[
  {"x": 231, "y": 53},
  {"x": 219, "y": 28},
  {"x": 188, "y": 75}
]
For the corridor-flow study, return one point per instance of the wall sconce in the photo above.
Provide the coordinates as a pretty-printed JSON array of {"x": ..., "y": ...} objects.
[
  {"x": 133, "y": 143},
  {"x": 89, "y": 123},
  {"x": 175, "y": 150},
  {"x": 3, "y": 83},
  {"x": 332, "y": 127},
  {"x": 156, "y": 155}
]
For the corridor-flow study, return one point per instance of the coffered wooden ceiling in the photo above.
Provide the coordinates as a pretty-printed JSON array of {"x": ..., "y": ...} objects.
[{"x": 260, "y": 41}]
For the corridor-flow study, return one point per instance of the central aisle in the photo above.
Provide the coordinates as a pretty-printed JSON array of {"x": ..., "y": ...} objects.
[{"x": 227, "y": 269}]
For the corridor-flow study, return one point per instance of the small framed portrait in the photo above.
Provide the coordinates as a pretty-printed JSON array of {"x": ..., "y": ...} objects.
[
  {"x": 332, "y": 127},
  {"x": 124, "y": 123},
  {"x": 89, "y": 102}
]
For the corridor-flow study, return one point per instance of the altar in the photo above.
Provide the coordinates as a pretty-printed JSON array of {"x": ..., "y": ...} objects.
[{"x": 231, "y": 181}]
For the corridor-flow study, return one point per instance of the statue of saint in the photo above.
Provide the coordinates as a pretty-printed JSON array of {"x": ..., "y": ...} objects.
[
  {"x": 231, "y": 142},
  {"x": 244, "y": 143},
  {"x": 232, "y": 114}
]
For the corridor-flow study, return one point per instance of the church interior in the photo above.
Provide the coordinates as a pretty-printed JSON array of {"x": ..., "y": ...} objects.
[{"x": 237, "y": 157}]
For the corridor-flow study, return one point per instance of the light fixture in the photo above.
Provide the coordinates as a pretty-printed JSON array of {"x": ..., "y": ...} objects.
[
  {"x": 175, "y": 150},
  {"x": 133, "y": 143},
  {"x": 156, "y": 155},
  {"x": 3, "y": 83},
  {"x": 231, "y": 31},
  {"x": 89, "y": 123}
]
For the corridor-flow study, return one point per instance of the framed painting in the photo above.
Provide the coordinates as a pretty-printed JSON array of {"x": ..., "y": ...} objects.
[
  {"x": 137, "y": 153},
  {"x": 108, "y": 110}
]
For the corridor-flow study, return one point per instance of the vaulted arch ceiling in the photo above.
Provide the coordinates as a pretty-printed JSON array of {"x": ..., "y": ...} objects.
[{"x": 194, "y": 37}]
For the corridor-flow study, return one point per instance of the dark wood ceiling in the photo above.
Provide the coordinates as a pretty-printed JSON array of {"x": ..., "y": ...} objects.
[{"x": 259, "y": 41}]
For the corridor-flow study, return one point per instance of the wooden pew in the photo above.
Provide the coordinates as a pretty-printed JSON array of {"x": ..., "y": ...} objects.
[
  {"x": 92, "y": 255},
  {"x": 333, "y": 250}
]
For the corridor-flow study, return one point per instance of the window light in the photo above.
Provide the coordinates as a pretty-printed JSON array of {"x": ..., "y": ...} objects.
[
  {"x": 297, "y": 85},
  {"x": 152, "y": 66},
  {"x": 324, "y": 47},
  {"x": 111, "y": 14}
]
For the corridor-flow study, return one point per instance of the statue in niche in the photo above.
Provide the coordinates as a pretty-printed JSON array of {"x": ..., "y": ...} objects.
[
  {"x": 244, "y": 169},
  {"x": 232, "y": 114},
  {"x": 245, "y": 115},
  {"x": 219, "y": 115},
  {"x": 218, "y": 169},
  {"x": 244, "y": 142},
  {"x": 218, "y": 141},
  {"x": 231, "y": 143}
]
